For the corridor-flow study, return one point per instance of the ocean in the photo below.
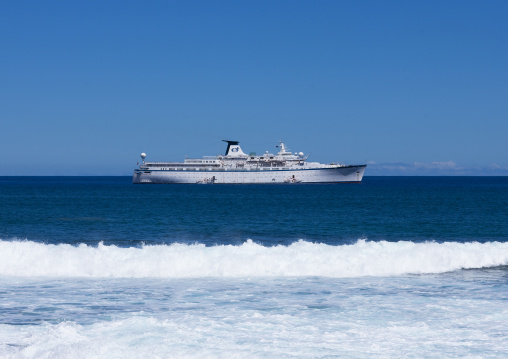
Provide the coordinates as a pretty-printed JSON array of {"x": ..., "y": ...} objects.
[{"x": 394, "y": 267}]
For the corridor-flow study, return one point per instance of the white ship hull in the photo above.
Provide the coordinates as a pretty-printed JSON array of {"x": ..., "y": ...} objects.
[{"x": 339, "y": 174}]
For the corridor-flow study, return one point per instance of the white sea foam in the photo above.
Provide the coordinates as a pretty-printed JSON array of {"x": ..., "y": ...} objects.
[
  {"x": 364, "y": 258},
  {"x": 252, "y": 334}
]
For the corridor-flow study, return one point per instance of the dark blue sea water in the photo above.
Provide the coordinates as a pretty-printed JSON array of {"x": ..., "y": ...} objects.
[
  {"x": 392, "y": 267},
  {"x": 113, "y": 211}
]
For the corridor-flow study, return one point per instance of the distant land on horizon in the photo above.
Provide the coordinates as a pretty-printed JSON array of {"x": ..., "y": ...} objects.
[{"x": 448, "y": 168}]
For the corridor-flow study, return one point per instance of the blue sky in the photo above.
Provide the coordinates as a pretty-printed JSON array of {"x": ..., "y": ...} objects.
[{"x": 410, "y": 87}]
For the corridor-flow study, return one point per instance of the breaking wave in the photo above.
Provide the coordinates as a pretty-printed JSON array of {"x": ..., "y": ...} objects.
[{"x": 364, "y": 258}]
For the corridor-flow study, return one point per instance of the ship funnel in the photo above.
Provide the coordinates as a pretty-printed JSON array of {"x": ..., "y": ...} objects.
[{"x": 234, "y": 149}]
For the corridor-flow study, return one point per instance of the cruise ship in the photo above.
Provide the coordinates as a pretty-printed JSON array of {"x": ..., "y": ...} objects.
[{"x": 235, "y": 166}]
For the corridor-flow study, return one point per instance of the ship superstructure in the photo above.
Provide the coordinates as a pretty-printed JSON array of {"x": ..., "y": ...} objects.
[{"x": 235, "y": 166}]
